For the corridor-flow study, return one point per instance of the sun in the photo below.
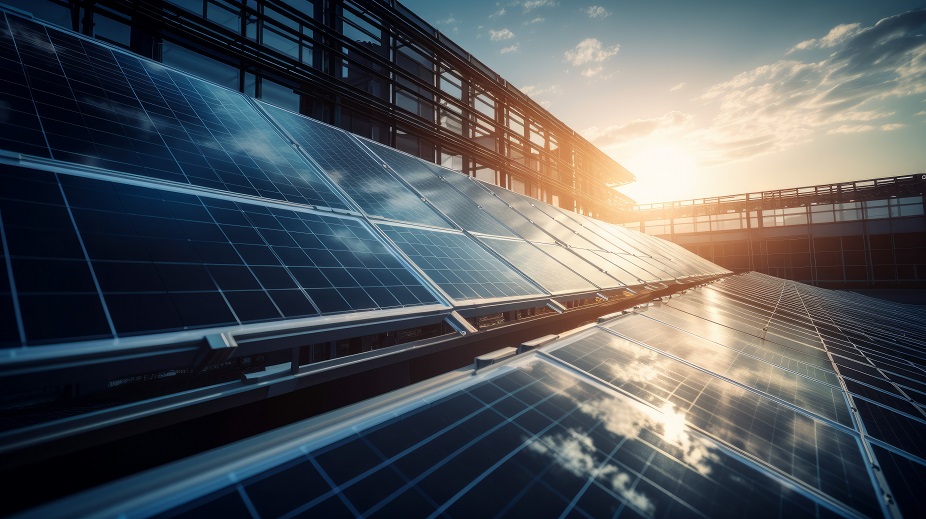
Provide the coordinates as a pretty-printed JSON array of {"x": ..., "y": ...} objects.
[{"x": 664, "y": 171}]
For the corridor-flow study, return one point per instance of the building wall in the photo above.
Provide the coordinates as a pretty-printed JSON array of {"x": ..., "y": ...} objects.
[
  {"x": 368, "y": 66},
  {"x": 858, "y": 235},
  {"x": 885, "y": 254}
]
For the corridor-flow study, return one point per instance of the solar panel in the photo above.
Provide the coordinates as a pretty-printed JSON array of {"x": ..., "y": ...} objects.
[
  {"x": 498, "y": 209},
  {"x": 529, "y": 441},
  {"x": 581, "y": 265},
  {"x": 427, "y": 179},
  {"x": 821, "y": 398},
  {"x": 457, "y": 264},
  {"x": 906, "y": 477},
  {"x": 542, "y": 268},
  {"x": 107, "y": 109},
  {"x": 527, "y": 208},
  {"x": 368, "y": 182},
  {"x": 630, "y": 264},
  {"x": 813, "y": 366},
  {"x": 729, "y": 412},
  {"x": 20, "y": 131},
  {"x": 56, "y": 294},
  {"x": 165, "y": 260},
  {"x": 658, "y": 413}
]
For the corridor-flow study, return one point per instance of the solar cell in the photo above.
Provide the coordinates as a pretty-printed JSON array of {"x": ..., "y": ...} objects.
[
  {"x": 498, "y": 209},
  {"x": 730, "y": 413},
  {"x": 108, "y": 109},
  {"x": 537, "y": 265},
  {"x": 518, "y": 443},
  {"x": 579, "y": 263},
  {"x": 427, "y": 179},
  {"x": 368, "y": 182},
  {"x": 20, "y": 131},
  {"x": 526, "y": 207},
  {"x": 457, "y": 264},
  {"x": 166, "y": 260}
]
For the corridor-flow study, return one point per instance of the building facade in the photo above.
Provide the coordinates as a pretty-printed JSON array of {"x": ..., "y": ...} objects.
[
  {"x": 373, "y": 68},
  {"x": 867, "y": 234}
]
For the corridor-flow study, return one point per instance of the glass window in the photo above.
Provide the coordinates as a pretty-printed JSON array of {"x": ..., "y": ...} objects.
[
  {"x": 277, "y": 94},
  {"x": 485, "y": 174},
  {"x": 515, "y": 123},
  {"x": 224, "y": 15},
  {"x": 191, "y": 5},
  {"x": 112, "y": 31},
  {"x": 278, "y": 39},
  {"x": 451, "y": 121},
  {"x": 198, "y": 65},
  {"x": 454, "y": 162},
  {"x": 451, "y": 85},
  {"x": 876, "y": 209}
]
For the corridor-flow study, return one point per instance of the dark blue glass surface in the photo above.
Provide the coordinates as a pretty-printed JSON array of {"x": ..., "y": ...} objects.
[
  {"x": 459, "y": 265},
  {"x": 103, "y": 108},
  {"x": 375, "y": 189}
]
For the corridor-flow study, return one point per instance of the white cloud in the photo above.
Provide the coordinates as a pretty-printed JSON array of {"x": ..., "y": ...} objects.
[
  {"x": 678, "y": 87},
  {"x": 576, "y": 453},
  {"x": 530, "y": 5},
  {"x": 596, "y": 11},
  {"x": 851, "y": 128},
  {"x": 450, "y": 20},
  {"x": 496, "y": 14},
  {"x": 593, "y": 71},
  {"x": 534, "y": 91},
  {"x": 590, "y": 50},
  {"x": 860, "y": 128},
  {"x": 673, "y": 121},
  {"x": 508, "y": 50},
  {"x": 837, "y": 36},
  {"x": 789, "y": 102},
  {"x": 535, "y": 20},
  {"x": 499, "y": 35}
]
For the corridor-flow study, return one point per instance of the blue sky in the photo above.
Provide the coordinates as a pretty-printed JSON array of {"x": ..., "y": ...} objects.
[{"x": 716, "y": 97}]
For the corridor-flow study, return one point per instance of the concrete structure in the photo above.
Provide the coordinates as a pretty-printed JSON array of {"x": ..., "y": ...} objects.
[{"x": 867, "y": 234}]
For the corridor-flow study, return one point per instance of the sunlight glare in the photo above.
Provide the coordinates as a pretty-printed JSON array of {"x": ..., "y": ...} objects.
[{"x": 664, "y": 171}]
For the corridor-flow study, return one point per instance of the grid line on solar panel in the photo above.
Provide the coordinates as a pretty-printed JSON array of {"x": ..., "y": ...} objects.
[
  {"x": 103, "y": 108},
  {"x": 772, "y": 432},
  {"x": 903, "y": 432},
  {"x": 428, "y": 180},
  {"x": 612, "y": 270},
  {"x": 458, "y": 264},
  {"x": 368, "y": 182},
  {"x": 824, "y": 400},
  {"x": 546, "y": 271},
  {"x": 629, "y": 264},
  {"x": 20, "y": 129},
  {"x": 811, "y": 366},
  {"x": 906, "y": 477},
  {"x": 527, "y": 442},
  {"x": 580, "y": 265},
  {"x": 166, "y": 260},
  {"x": 526, "y": 208},
  {"x": 11, "y": 327},
  {"x": 498, "y": 209},
  {"x": 55, "y": 289}
]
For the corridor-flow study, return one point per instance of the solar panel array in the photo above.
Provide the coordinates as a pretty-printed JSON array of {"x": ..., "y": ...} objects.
[
  {"x": 139, "y": 199},
  {"x": 752, "y": 396}
]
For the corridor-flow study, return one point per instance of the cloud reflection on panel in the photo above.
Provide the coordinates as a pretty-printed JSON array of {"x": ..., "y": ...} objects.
[{"x": 760, "y": 426}]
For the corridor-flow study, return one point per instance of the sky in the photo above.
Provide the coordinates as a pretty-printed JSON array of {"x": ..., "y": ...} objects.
[{"x": 716, "y": 97}]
